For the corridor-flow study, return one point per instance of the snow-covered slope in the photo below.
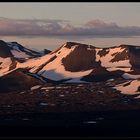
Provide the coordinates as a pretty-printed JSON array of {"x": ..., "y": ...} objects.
[
  {"x": 5, "y": 65},
  {"x": 7, "y": 62},
  {"x": 74, "y": 61},
  {"x": 12, "y": 53},
  {"x": 130, "y": 87},
  {"x": 51, "y": 66},
  {"x": 20, "y": 52}
]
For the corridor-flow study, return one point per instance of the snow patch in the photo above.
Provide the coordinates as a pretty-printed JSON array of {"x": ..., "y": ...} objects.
[
  {"x": 56, "y": 71},
  {"x": 97, "y": 56},
  {"x": 130, "y": 76},
  {"x": 19, "y": 54},
  {"x": 13, "y": 46},
  {"x": 119, "y": 68},
  {"x": 76, "y": 80},
  {"x": 35, "y": 87},
  {"x": 110, "y": 80},
  {"x": 43, "y": 104},
  {"x": 90, "y": 122},
  {"x": 5, "y": 65},
  {"x": 106, "y": 60},
  {"x": 129, "y": 89},
  {"x": 34, "y": 63}
]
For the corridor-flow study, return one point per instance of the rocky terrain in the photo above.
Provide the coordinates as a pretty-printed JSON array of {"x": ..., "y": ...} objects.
[
  {"x": 75, "y": 77},
  {"x": 62, "y": 97},
  {"x": 76, "y": 87}
]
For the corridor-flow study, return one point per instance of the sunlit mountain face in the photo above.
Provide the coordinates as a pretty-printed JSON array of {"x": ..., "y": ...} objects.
[
  {"x": 72, "y": 63},
  {"x": 76, "y": 77}
]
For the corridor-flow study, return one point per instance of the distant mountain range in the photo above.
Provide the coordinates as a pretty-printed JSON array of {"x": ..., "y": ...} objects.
[
  {"x": 71, "y": 63},
  {"x": 12, "y": 53}
]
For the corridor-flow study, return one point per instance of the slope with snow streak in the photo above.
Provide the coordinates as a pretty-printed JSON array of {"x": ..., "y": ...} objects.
[
  {"x": 74, "y": 61},
  {"x": 5, "y": 65},
  {"x": 107, "y": 59},
  {"x": 131, "y": 87},
  {"x": 20, "y": 52},
  {"x": 35, "y": 63},
  {"x": 50, "y": 66},
  {"x": 55, "y": 70},
  {"x": 12, "y": 54}
]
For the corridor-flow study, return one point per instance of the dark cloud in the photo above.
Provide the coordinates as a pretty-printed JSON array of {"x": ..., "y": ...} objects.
[{"x": 49, "y": 27}]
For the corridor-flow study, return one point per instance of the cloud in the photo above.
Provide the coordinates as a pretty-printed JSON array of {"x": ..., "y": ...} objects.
[
  {"x": 50, "y": 27},
  {"x": 100, "y": 24}
]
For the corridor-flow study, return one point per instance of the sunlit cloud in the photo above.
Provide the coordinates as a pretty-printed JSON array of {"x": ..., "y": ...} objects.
[{"x": 50, "y": 27}]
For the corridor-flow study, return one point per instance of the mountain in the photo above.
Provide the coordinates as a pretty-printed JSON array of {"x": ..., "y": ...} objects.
[
  {"x": 12, "y": 53},
  {"x": 22, "y": 68},
  {"x": 74, "y": 62},
  {"x": 75, "y": 77},
  {"x": 77, "y": 62},
  {"x": 19, "y": 52}
]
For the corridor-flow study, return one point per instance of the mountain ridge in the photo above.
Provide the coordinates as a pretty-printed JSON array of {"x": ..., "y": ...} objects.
[{"x": 76, "y": 61}]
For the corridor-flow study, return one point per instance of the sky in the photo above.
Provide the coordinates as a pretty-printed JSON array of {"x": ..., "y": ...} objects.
[{"x": 49, "y": 25}]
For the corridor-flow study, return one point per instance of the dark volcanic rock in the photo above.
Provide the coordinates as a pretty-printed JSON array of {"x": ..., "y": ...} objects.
[
  {"x": 46, "y": 51},
  {"x": 81, "y": 59},
  {"x": 71, "y": 44},
  {"x": 101, "y": 74},
  {"x": 4, "y": 50},
  {"x": 13, "y": 64},
  {"x": 103, "y": 52},
  {"x": 17, "y": 81},
  {"x": 121, "y": 56},
  {"x": 27, "y": 51},
  {"x": 134, "y": 53}
]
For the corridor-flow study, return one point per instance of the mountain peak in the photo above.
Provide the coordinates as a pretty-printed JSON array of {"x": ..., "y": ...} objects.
[
  {"x": 129, "y": 46},
  {"x": 76, "y": 44},
  {"x": 74, "y": 60}
]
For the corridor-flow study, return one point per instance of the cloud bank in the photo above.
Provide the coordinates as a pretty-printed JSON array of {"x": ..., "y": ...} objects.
[{"x": 48, "y": 27}]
